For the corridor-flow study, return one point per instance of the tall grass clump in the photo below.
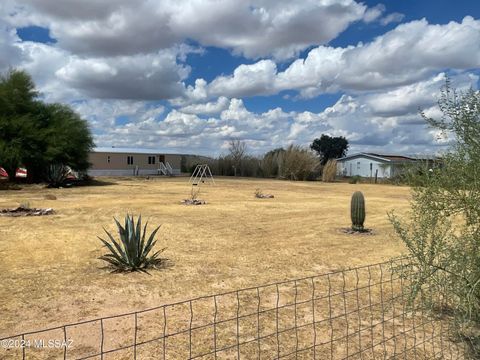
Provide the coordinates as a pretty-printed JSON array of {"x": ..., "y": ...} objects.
[
  {"x": 329, "y": 171},
  {"x": 298, "y": 163},
  {"x": 133, "y": 251}
]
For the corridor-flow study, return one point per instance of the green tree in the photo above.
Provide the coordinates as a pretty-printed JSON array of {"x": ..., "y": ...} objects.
[
  {"x": 442, "y": 233},
  {"x": 15, "y": 133},
  {"x": 328, "y": 147},
  {"x": 69, "y": 138},
  {"x": 17, "y": 93},
  {"x": 37, "y": 135},
  {"x": 19, "y": 132}
]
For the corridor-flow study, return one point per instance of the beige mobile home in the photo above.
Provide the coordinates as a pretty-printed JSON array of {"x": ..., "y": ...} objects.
[{"x": 132, "y": 162}]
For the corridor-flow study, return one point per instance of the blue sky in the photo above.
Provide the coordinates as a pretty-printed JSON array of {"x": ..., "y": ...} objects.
[{"x": 191, "y": 77}]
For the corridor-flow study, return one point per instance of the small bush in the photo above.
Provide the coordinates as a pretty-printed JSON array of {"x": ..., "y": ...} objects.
[
  {"x": 329, "y": 171},
  {"x": 193, "y": 199},
  {"x": 194, "y": 193},
  {"x": 132, "y": 252},
  {"x": 354, "y": 179}
]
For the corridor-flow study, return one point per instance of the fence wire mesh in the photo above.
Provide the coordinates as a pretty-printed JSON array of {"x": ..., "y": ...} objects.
[{"x": 358, "y": 313}]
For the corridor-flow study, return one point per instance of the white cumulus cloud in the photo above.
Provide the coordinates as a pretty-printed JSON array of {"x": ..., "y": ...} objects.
[
  {"x": 407, "y": 54},
  {"x": 253, "y": 28}
]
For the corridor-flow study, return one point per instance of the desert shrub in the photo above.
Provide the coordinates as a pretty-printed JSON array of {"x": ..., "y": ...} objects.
[
  {"x": 132, "y": 252},
  {"x": 297, "y": 163},
  {"x": 194, "y": 192},
  {"x": 329, "y": 171},
  {"x": 442, "y": 233},
  {"x": 354, "y": 179}
]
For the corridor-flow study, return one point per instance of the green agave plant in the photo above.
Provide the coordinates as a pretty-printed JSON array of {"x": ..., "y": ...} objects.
[{"x": 132, "y": 252}]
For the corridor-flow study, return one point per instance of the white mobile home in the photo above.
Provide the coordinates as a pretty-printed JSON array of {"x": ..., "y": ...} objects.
[
  {"x": 371, "y": 165},
  {"x": 129, "y": 162}
]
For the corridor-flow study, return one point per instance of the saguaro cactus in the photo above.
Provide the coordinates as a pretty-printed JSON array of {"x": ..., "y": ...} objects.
[{"x": 357, "y": 211}]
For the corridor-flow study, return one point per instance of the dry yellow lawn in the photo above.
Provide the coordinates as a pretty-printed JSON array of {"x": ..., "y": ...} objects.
[{"x": 51, "y": 275}]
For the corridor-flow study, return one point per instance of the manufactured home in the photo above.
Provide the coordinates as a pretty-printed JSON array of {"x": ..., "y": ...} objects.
[
  {"x": 372, "y": 165},
  {"x": 112, "y": 161}
]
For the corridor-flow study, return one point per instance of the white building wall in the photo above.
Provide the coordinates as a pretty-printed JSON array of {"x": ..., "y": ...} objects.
[{"x": 361, "y": 166}]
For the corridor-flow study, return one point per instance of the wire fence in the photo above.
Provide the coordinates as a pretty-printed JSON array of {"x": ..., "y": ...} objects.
[{"x": 358, "y": 313}]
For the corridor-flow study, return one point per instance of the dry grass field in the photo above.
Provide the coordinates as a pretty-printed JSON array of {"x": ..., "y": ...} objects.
[{"x": 51, "y": 275}]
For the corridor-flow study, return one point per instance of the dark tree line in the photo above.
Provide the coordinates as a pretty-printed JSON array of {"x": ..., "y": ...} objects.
[{"x": 37, "y": 135}]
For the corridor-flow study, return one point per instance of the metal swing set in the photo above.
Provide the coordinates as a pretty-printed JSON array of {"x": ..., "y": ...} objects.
[{"x": 200, "y": 175}]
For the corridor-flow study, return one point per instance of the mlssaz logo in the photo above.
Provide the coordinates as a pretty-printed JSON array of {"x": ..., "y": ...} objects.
[{"x": 53, "y": 344}]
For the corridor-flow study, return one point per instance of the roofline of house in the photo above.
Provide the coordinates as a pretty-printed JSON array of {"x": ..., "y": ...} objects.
[
  {"x": 364, "y": 155},
  {"x": 121, "y": 150}
]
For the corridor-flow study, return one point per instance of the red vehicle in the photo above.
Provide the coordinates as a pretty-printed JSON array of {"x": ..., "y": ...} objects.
[{"x": 20, "y": 173}]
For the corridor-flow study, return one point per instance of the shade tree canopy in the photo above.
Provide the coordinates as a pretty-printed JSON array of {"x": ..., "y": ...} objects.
[
  {"x": 37, "y": 135},
  {"x": 328, "y": 147}
]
